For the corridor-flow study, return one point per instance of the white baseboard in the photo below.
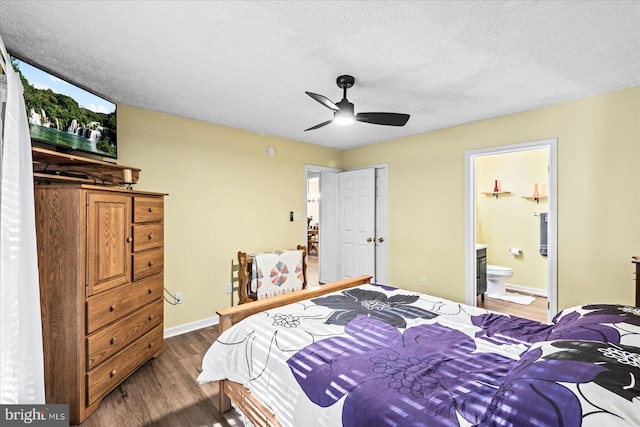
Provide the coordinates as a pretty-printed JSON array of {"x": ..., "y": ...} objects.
[
  {"x": 192, "y": 326},
  {"x": 526, "y": 290}
]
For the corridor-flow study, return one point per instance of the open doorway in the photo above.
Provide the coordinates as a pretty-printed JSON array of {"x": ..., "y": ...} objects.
[
  {"x": 313, "y": 226},
  {"x": 510, "y": 225},
  {"x": 322, "y": 223}
]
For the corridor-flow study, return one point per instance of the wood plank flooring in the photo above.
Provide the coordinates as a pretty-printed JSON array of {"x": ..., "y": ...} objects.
[
  {"x": 165, "y": 393},
  {"x": 537, "y": 310}
]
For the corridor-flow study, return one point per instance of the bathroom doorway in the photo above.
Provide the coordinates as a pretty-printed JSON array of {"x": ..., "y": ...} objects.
[{"x": 510, "y": 213}]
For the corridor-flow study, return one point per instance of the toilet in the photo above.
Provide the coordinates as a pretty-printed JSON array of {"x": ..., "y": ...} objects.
[{"x": 496, "y": 275}]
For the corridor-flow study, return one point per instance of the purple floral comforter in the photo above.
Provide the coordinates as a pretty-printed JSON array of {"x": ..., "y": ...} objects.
[{"x": 374, "y": 356}]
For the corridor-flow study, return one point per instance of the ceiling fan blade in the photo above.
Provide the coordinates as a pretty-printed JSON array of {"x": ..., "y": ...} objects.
[
  {"x": 320, "y": 125},
  {"x": 387, "y": 119},
  {"x": 324, "y": 101}
]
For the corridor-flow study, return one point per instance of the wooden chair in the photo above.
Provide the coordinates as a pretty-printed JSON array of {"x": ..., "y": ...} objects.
[
  {"x": 312, "y": 239},
  {"x": 244, "y": 275}
]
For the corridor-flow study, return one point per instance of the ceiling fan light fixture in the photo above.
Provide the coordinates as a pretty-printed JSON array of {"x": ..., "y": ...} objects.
[{"x": 343, "y": 118}]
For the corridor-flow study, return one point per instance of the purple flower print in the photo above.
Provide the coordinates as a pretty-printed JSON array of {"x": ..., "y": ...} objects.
[
  {"x": 392, "y": 310},
  {"x": 621, "y": 364},
  {"x": 595, "y": 324},
  {"x": 385, "y": 287},
  {"x": 534, "y": 389},
  {"x": 427, "y": 376},
  {"x": 502, "y": 329}
]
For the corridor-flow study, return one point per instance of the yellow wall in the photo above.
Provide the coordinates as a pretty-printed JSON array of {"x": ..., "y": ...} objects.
[
  {"x": 225, "y": 195},
  {"x": 508, "y": 221},
  {"x": 598, "y": 196}
]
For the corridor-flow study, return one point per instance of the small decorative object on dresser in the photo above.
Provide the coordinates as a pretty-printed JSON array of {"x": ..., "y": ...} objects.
[{"x": 101, "y": 258}]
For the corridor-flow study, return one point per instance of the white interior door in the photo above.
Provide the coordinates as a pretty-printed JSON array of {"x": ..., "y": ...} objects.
[{"x": 357, "y": 208}]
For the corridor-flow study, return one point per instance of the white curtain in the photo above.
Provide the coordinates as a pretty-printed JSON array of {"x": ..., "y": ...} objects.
[{"x": 21, "y": 363}]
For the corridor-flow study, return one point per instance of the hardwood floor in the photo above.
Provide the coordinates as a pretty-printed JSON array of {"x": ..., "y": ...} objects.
[
  {"x": 312, "y": 270},
  {"x": 164, "y": 392},
  {"x": 537, "y": 310}
]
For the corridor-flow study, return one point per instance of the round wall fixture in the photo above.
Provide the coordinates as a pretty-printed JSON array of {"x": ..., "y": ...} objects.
[{"x": 271, "y": 151}]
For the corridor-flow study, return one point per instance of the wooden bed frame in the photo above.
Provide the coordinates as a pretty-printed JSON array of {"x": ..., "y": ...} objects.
[
  {"x": 252, "y": 407},
  {"x": 244, "y": 262}
]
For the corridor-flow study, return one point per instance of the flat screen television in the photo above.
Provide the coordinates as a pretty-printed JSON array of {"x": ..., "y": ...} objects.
[{"x": 65, "y": 116}]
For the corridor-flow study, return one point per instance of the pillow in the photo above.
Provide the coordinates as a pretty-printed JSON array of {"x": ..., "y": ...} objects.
[
  {"x": 598, "y": 322},
  {"x": 570, "y": 383}
]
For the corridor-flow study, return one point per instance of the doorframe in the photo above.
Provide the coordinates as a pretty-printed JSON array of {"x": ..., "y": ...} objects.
[
  {"x": 470, "y": 216},
  {"x": 307, "y": 169}
]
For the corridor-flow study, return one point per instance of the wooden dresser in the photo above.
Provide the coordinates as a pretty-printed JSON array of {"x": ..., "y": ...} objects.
[{"x": 100, "y": 256}]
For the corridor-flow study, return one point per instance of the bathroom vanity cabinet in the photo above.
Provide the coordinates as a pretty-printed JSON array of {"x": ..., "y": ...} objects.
[{"x": 481, "y": 272}]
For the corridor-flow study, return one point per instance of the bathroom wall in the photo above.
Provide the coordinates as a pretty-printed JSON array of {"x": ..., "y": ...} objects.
[{"x": 511, "y": 220}]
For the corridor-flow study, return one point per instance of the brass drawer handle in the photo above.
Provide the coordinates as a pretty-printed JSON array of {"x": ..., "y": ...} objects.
[
  {"x": 150, "y": 263},
  {"x": 150, "y": 318},
  {"x": 150, "y": 209},
  {"x": 150, "y": 291},
  {"x": 129, "y": 239},
  {"x": 112, "y": 308},
  {"x": 112, "y": 373},
  {"x": 150, "y": 236},
  {"x": 151, "y": 344},
  {"x": 113, "y": 340}
]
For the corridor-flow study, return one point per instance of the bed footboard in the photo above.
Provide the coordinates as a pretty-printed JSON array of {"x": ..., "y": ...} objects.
[{"x": 257, "y": 412}]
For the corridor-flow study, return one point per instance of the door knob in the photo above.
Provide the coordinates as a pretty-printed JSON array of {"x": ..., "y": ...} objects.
[
  {"x": 380, "y": 240},
  {"x": 369, "y": 240}
]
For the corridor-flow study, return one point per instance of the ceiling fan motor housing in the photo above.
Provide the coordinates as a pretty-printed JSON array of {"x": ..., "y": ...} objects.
[
  {"x": 345, "y": 106},
  {"x": 345, "y": 82}
]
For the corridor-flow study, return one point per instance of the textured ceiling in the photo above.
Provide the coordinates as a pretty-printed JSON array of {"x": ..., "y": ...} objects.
[{"x": 247, "y": 64}]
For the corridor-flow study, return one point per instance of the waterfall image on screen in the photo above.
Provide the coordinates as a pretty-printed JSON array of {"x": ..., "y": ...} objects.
[{"x": 66, "y": 116}]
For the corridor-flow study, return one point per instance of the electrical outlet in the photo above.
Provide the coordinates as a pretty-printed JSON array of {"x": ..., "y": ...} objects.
[
  {"x": 178, "y": 297},
  {"x": 229, "y": 288},
  {"x": 423, "y": 281}
]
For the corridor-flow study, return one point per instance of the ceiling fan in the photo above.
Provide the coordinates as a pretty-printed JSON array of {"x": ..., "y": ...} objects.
[{"x": 343, "y": 111}]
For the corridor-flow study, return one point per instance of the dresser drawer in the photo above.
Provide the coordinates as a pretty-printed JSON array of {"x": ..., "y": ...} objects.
[
  {"x": 147, "y": 263},
  {"x": 114, "y": 304},
  {"x": 115, "y": 337},
  {"x": 148, "y": 209},
  {"x": 109, "y": 374},
  {"x": 147, "y": 236}
]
